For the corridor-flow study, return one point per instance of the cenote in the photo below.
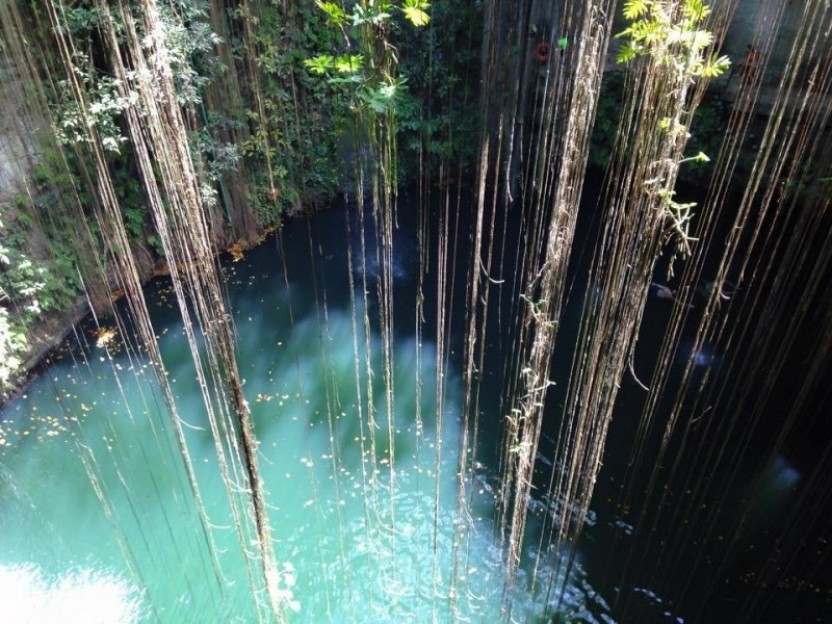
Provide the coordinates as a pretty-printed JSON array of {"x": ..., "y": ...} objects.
[
  {"x": 100, "y": 521},
  {"x": 408, "y": 311},
  {"x": 129, "y": 546}
]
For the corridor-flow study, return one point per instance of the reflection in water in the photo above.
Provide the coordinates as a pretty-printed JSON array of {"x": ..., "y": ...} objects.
[
  {"x": 784, "y": 476},
  {"x": 775, "y": 488},
  {"x": 700, "y": 358}
]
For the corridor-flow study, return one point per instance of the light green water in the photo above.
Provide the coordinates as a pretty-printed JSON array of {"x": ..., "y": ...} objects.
[{"x": 352, "y": 548}]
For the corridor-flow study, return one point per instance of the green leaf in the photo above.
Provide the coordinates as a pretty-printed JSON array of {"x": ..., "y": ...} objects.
[
  {"x": 715, "y": 66},
  {"x": 382, "y": 98},
  {"x": 334, "y": 12},
  {"x": 320, "y": 64},
  {"x": 628, "y": 52},
  {"x": 415, "y": 12},
  {"x": 633, "y": 9},
  {"x": 696, "y": 10},
  {"x": 701, "y": 39},
  {"x": 376, "y": 100},
  {"x": 348, "y": 63}
]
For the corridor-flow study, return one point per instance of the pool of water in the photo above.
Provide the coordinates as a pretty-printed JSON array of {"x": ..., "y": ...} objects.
[
  {"x": 100, "y": 524},
  {"x": 99, "y": 520}
]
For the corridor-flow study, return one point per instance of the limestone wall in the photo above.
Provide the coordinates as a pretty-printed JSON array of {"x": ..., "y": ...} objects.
[{"x": 17, "y": 129}]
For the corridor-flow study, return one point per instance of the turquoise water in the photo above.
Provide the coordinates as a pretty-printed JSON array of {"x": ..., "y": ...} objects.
[{"x": 99, "y": 522}]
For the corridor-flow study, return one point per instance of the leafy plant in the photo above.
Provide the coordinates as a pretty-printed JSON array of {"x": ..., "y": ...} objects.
[
  {"x": 372, "y": 70},
  {"x": 20, "y": 283},
  {"x": 438, "y": 114},
  {"x": 668, "y": 35},
  {"x": 101, "y": 115},
  {"x": 12, "y": 344},
  {"x": 384, "y": 65},
  {"x": 670, "y": 32}
]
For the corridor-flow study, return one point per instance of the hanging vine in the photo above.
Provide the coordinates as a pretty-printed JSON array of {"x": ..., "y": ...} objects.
[{"x": 146, "y": 115}]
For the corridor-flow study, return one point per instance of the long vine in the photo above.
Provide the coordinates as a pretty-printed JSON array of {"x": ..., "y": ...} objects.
[{"x": 669, "y": 34}]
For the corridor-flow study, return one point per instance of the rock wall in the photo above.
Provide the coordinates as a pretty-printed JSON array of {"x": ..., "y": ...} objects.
[{"x": 18, "y": 129}]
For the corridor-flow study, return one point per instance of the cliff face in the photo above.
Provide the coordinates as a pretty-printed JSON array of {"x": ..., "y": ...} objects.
[{"x": 16, "y": 149}]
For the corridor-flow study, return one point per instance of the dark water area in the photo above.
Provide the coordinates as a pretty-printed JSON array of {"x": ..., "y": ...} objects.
[
  {"x": 301, "y": 340},
  {"x": 718, "y": 556},
  {"x": 737, "y": 527}
]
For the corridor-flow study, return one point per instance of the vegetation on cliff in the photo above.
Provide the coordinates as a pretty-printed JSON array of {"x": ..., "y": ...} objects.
[{"x": 266, "y": 135}]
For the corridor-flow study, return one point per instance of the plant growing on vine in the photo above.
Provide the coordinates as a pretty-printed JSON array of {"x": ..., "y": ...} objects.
[
  {"x": 669, "y": 36},
  {"x": 370, "y": 61},
  {"x": 670, "y": 32}
]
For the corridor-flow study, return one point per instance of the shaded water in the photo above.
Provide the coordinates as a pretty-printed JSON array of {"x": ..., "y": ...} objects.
[{"x": 99, "y": 523}]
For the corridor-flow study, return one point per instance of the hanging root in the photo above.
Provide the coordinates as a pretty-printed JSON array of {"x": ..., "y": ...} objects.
[
  {"x": 488, "y": 277},
  {"x": 633, "y": 373}
]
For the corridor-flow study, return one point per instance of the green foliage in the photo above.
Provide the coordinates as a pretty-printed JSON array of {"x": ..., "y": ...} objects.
[
  {"x": 190, "y": 61},
  {"x": 131, "y": 200},
  {"x": 349, "y": 64},
  {"x": 21, "y": 280},
  {"x": 373, "y": 71},
  {"x": 335, "y": 13},
  {"x": 437, "y": 115},
  {"x": 36, "y": 285},
  {"x": 607, "y": 118},
  {"x": 21, "y": 284},
  {"x": 51, "y": 215},
  {"x": 40, "y": 254},
  {"x": 291, "y": 117},
  {"x": 73, "y": 124},
  {"x": 12, "y": 344},
  {"x": 416, "y": 12},
  {"x": 707, "y": 131},
  {"x": 669, "y": 35},
  {"x": 670, "y": 32},
  {"x": 292, "y": 125},
  {"x": 189, "y": 45}
]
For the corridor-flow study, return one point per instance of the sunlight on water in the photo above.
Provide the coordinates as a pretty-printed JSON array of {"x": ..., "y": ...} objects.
[
  {"x": 89, "y": 596},
  {"x": 357, "y": 540}
]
